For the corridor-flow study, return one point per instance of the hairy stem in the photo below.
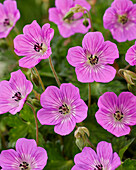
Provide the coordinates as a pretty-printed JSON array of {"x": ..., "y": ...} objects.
[
  {"x": 54, "y": 72},
  {"x": 39, "y": 78},
  {"x": 36, "y": 122}
]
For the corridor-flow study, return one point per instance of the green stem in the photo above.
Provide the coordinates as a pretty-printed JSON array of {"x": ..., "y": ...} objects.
[
  {"x": 89, "y": 95},
  {"x": 36, "y": 122},
  {"x": 39, "y": 78},
  {"x": 89, "y": 15},
  {"x": 92, "y": 146},
  {"x": 54, "y": 72}
]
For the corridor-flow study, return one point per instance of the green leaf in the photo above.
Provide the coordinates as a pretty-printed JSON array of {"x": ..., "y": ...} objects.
[
  {"x": 129, "y": 164},
  {"x": 121, "y": 152}
]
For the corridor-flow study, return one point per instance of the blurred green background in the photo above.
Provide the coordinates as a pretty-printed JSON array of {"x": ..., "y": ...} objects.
[{"x": 61, "y": 150}]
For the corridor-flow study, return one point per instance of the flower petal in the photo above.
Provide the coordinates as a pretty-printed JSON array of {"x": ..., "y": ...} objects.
[
  {"x": 103, "y": 73},
  {"x": 66, "y": 126},
  {"x": 105, "y": 153},
  {"x": 127, "y": 105},
  {"x": 131, "y": 55},
  {"x": 76, "y": 56},
  {"x": 51, "y": 98},
  {"x": 55, "y": 16},
  {"x": 9, "y": 160},
  {"x": 87, "y": 159},
  {"x": 84, "y": 73},
  {"x": 64, "y": 5},
  {"x": 108, "y": 53},
  {"x": 115, "y": 161},
  {"x": 23, "y": 45},
  {"x": 48, "y": 33},
  {"x": 33, "y": 31},
  {"x": 92, "y": 42},
  {"x": 49, "y": 116},
  {"x": 29, "y": 61}
]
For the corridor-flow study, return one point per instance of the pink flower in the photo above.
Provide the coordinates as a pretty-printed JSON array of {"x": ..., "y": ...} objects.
[
  {"x": 62, "y": 107},
  {"x": 9, "y": 15},
  {"x": 13, "y": 93},
  {"x": 131, "y": 55},
  {"x": 26, "y": 156},
  {"x": 72, "y": 25},
  {"x": 91, "y": 60},
  {"x": 120, "y": 19},
  {"x": 34, "y": 44},
  {"x": 117, "y": 114},
  {"x": 105, "y": 159}
]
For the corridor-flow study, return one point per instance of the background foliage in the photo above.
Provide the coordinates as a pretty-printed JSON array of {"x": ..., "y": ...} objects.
[{"x": 61, "y": 150}]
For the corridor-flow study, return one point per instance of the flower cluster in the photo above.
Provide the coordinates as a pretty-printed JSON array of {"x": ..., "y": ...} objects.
[{"x": 63, "y": 107}]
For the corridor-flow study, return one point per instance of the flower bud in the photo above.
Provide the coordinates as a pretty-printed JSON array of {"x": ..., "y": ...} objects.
[
  {"x": 35, "y": 102},
  {"x": 131, "y": 88},
  {"x": 85, "y": 22},
  {"x": 129, "y": 76},
  {"x": 81, "y": 135},
  {"x": 68, "y": 15},
  {"x": 34, "y": 78}
]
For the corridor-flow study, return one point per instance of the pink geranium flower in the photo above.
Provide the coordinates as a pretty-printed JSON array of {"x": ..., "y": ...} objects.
[
  {"x": 120, "y": 19},
  {"x": 27, "y": 156},
  {"x": 9, "y": 15},
  {"x": 72, "y": 25},
  {"x": 91, "y": 60},
  {"x": 131, "y": 55},
  {"x": 34, "y": 44},
  {"x": 105, "y": 159},
  {"x": 62, "y": 107},
  {"x": 13, "y": 93},
  {"x": 117, "y": 114}
]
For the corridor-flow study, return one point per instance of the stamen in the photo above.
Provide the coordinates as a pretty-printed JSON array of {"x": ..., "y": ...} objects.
[
  {"x": 6, "y": 22},
  {"x": 93, "y": 59},
  {"x": 118, "y": 115},
  {"x": 64, "y": 109},
  {"x": 17, "y": 96},
  {"x": 123, "y": 19},
  {"x": 24, "y": 166},
  {"x": 98, "y": 167},
  {"x": 38, "y": 47}
]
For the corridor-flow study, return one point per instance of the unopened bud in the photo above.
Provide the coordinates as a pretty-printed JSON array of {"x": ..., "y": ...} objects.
[
  {"x": 35, "y": 102},
  {"x": 131, "y": 88},
  {"x": 34, "y": 78},
  {"x": 85, "y": 22},
  {"x": 128, "y": 75},
  {"x": 81, "y": 135},
  {"x": 68, "y": 15}
]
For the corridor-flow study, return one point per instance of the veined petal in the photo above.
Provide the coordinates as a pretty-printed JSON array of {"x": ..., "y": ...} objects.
[
  {"x": 9, "y": 160},
  {"x": 103, "y": 73},
  {"x": 64, "y": 5},
  {"x": 33, "y": 31},
  {"x": 66, "y": 126},
  {"x": 115, "y": 161},
  {"x": 49, "y": 116},
  {"x": 131, "y": 55},
  {"x": 84, "y": 73},
  {"x": 92, "y": 42},
  {"x": 55, "y": 16},
  {"x": 76, "y": 56},
  {"x": 108, "y": 53}
]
